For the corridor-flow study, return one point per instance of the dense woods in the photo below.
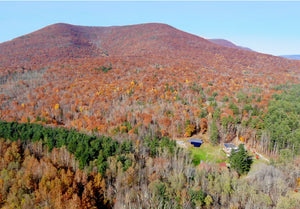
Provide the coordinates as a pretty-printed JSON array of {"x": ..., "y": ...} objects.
[
  {"x": 94, "y": 112},
  {"x": 88, "y": 150},
  {"x": 32, "y": 176},
  {"x": 281, "y": 123}
]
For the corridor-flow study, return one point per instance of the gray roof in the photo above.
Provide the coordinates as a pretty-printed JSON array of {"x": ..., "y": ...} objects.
[{"x": 229, "y": 145}]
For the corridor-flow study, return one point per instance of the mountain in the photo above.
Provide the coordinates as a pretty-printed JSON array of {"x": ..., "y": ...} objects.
[
  {"x": 61, "y": 42},
  {"x": 52, "y": 43},
  {"x": 98, "y": 77},
  {"x": 131, "y": 91},
  {"x": 293, "y": 57},
  {"x": 226, "y": 43}
]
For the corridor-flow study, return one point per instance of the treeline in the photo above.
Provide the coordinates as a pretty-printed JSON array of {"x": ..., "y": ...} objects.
[{"x": 88, "y": 150}]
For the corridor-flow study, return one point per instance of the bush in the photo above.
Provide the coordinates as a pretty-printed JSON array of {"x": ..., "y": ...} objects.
[
  {"x": 104, "y": 69},
  {"x": 197, "y": 197}
]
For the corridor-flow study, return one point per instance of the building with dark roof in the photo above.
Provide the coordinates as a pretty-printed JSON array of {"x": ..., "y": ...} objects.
[{"x": 196, "y": 142}]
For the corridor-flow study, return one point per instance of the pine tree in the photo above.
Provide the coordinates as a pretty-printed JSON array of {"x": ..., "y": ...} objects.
[
  {"x": 214, "y": 134},
  {"x": 240, "y": 160}
]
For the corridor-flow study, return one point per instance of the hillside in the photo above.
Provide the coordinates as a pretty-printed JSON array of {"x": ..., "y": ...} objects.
[
  {"x": 103, "y": 105},
  {"x": 60, "y": 42},
  {"x": 150, "y": 74},
  {"x": 53, "y": 43}
]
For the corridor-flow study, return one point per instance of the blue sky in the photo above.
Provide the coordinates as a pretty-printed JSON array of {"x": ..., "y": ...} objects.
[{"x": 268, "y": 27}]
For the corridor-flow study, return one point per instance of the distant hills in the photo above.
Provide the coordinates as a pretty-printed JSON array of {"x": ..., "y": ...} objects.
[
  {"x": 293, "y": 57},
  {"x": 227, "y": 43}
]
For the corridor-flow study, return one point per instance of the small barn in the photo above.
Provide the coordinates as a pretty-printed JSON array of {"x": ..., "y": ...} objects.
[{"x": 196, "y": 142}]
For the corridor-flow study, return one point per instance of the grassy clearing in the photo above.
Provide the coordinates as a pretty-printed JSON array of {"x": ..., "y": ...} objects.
[{"x": 208, "y": 153}]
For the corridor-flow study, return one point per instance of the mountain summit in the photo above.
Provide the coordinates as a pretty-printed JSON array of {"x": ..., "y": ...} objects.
[{"x": 61, "y": 42}]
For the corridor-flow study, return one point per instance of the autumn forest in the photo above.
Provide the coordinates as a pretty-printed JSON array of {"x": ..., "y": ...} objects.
[{"x": 91, "y": 117}]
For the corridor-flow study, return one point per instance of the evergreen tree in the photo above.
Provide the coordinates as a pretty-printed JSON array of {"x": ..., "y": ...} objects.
[
  {"x": 214, "y": 134},
  {"x": 240, "y": 160}
]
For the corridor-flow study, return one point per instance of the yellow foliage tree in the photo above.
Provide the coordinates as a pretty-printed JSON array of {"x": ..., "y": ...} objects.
[{"x": 56, "y": 106}]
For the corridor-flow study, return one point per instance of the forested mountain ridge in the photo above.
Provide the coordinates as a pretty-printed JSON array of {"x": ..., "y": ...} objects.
[
  {"x": 133, "y": 74},
  {"x": 63, "y": 42},
  {"x": 143, "y": 85}
]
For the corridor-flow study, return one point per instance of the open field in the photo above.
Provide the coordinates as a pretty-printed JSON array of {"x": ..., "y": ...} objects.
[{"x": 208, "y": 153}]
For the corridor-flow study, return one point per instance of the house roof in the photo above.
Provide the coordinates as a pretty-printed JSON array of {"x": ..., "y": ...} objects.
[
  {"x": 229, "y": 145},
  {"x": 196, "y": 141}
]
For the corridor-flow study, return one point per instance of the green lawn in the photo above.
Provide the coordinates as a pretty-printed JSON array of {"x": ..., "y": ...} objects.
[{"x": 208, "y": 153}]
